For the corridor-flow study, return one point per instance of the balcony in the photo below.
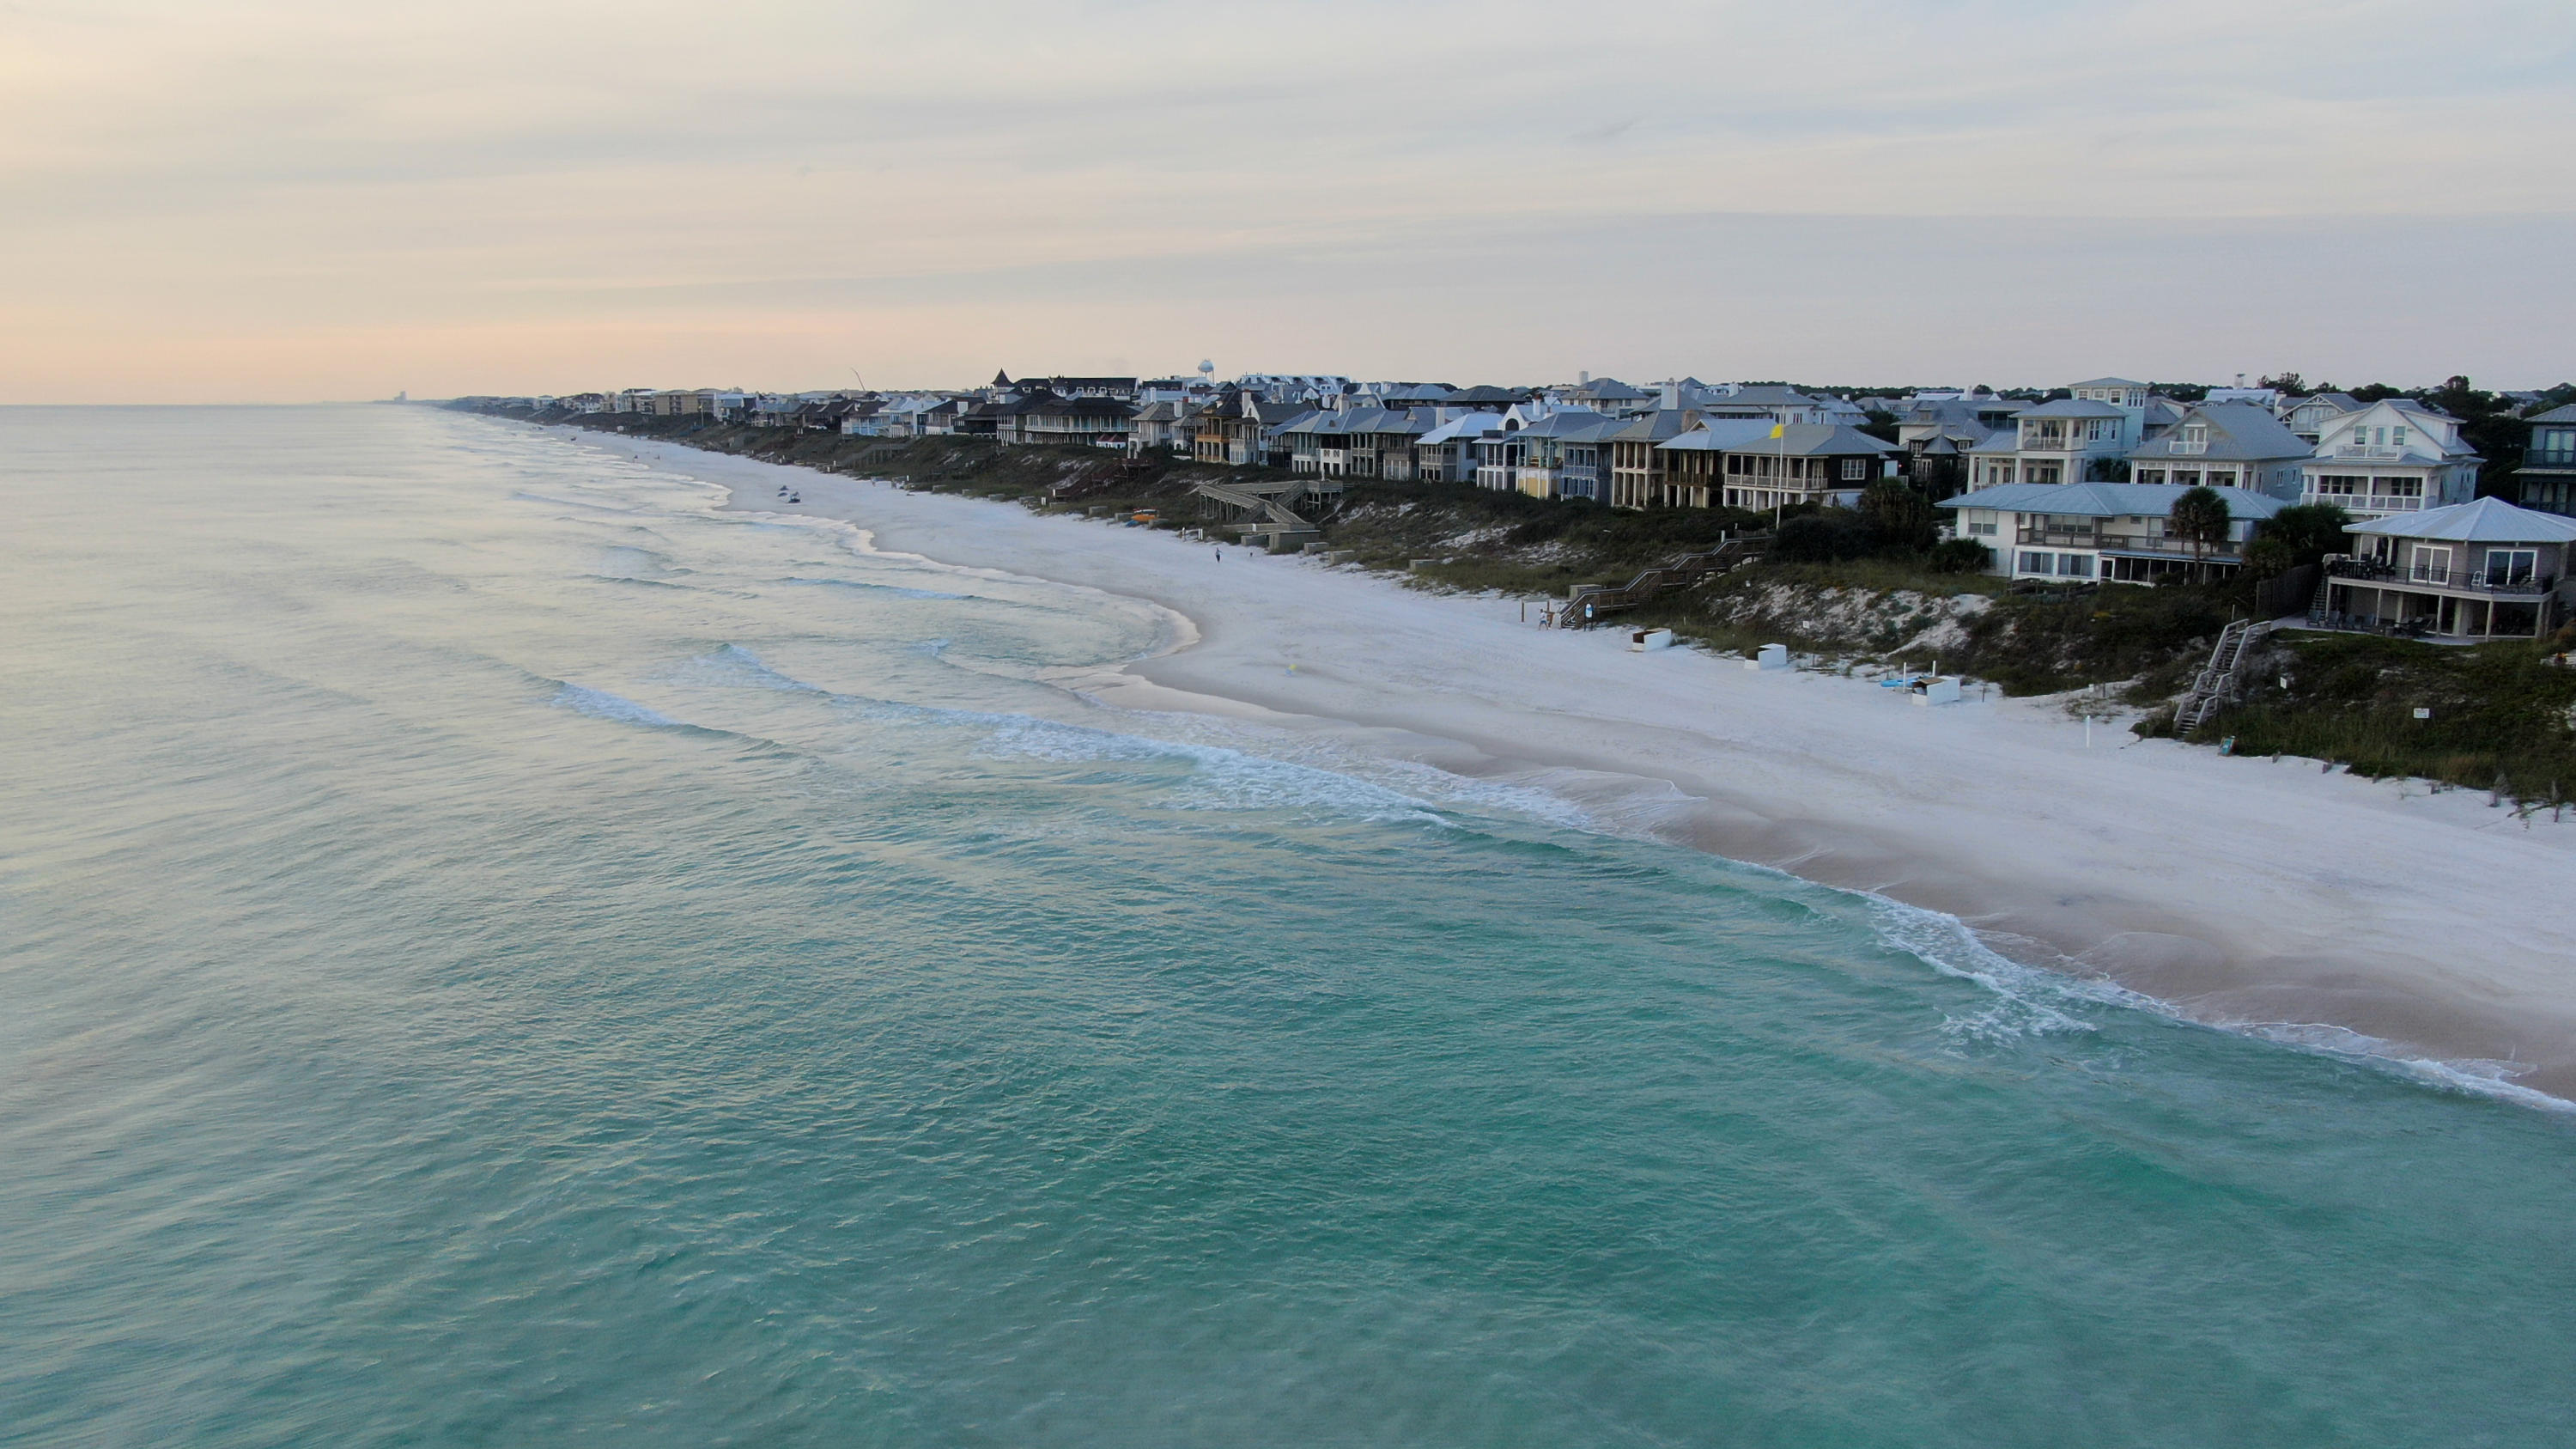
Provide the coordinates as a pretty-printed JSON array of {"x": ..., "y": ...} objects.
[
  {"x": 2123, "y": 543},
  {"x": 2059, "y": 537},
  {"x": 2368, "y": 502},
  {"x": 2370, "y": 453},
  {"x": 2514, "y": 583},
  {"x": 2169, "y": 547}
]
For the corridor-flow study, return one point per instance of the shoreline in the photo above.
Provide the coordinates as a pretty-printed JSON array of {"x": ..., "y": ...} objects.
[{"x": 2243, "y": 893}]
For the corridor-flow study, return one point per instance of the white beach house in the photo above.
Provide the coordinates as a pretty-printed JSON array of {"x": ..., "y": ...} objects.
[
  {"x": 2066, "y": 441},
  {"x": 2107, "y": 532},
  {"x": 2393, "y": 456},
  {"x": 2477, "y": 570}
]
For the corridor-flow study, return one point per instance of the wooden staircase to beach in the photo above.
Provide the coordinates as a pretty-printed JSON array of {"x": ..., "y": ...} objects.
[
  {"x": 2215, "y": 687},
  {"x": 1272, "y": 524},
  {"x": 1588, "y": 604}
]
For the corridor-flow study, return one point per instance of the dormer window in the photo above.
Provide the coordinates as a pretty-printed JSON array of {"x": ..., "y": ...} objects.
[{"x": 2397, "y": 437}]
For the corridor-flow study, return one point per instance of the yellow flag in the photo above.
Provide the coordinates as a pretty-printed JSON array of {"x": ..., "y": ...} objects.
[{"x": 1779, "y": 430}]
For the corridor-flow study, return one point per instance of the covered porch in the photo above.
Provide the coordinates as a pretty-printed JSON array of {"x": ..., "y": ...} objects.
[{"x": 2391, "y": 606}]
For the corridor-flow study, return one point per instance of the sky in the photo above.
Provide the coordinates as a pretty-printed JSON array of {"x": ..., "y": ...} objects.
[{"x": 289, "y": 200}]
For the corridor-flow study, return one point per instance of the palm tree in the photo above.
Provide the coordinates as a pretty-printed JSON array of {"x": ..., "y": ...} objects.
[{"x": 2200, "y": 519}]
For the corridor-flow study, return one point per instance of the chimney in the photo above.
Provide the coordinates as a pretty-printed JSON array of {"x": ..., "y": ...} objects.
[
  {"x": 1672, "y": 394},
  {"x": 1582, "y": 379}
]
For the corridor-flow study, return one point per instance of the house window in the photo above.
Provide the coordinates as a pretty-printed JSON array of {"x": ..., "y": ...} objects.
[
  {"x": 2511, "y": 565},
  {"x": 2075, "y": 565},
  {"x": 2397, "y": 437},
  {"x": 1855, "y": 469},
  {"x": 2038, "y": 563},
  {"x": 1982, "y": 530}
]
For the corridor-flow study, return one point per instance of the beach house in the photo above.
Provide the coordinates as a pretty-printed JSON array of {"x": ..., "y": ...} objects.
[
  {"x": 1772, "y": 402},
  {"x": 2308, "y": 416},
  {"x": 2477, "y": 570},
  {"x": 1564, "y": 455},
  {"x": 2071, "y": 440},
  {"x": 2547, "y": 478},
  {"x": 1164, "y": 425},
  {"x": 2119, "y": 392},
  {"x": 2118, "y": 533},
  {"x": 2392, "y": 456},
  {"x": 2226, "y": 445},
  {"x": 1358, "y": 442},
  {"x": 1238, "y": 430},
  {"x": 1744, "y": 463},
  {"x": 1637, "y": 476},
  {"x": 1447, "y": 453}
]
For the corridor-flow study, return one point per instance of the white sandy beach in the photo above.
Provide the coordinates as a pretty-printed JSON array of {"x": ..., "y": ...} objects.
[{"x": 2244, "y": 891}]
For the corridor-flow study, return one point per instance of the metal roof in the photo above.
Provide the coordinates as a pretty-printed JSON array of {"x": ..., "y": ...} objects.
[
  {"x": 2238, "y": 432},
  {"x": 2107, "y": 500},
  {"x": 2075, "y": 407},
  {"x": 1797, "y": 440},
  {"x": 2481, "y": 520}
]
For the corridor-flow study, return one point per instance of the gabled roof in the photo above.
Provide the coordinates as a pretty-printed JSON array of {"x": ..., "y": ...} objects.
[
  {"x": 2105, "y": 382},
  {"x": 2482, "y": 520},
  {"x": 1564, "y": 423},
  {"x": 1473, "y": 396},
  {"x": 2075, "y": 407},
  {"x": 1657, "y": 426},
  {"x": 1721, "y": 435},
  {"x": 2342, "y": 402},
  {"x": 2108, "y": 500},
  {"x": 2426, "y": 425},
  {"x": 1765, "y": 394},
  {"x": 2238, "y": 433},
  {"x": 1797, "y": 440},
  {"x": 1416, "y": 393},
  {"x": 2565, "y": 414},
  {"x": 1472, "y": 425}
]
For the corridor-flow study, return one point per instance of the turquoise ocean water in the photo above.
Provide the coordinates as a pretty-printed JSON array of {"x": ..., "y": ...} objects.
[{"x": 493, "y": 952}]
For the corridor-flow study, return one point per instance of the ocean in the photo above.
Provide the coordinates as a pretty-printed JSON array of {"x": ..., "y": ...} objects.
[{"x": 494, "y": 951}]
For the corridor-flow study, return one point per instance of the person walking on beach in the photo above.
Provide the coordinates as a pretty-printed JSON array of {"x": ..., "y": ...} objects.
[{"x": 1220, "y": 555}]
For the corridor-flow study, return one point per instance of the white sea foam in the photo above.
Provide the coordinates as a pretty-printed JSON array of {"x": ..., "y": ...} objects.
[
  {"x": 600, "y": 704},
  {"x": 2036, "y": 1000},
  {"x": 896, "y": 590},
  {"x": 730, "y": 666}
]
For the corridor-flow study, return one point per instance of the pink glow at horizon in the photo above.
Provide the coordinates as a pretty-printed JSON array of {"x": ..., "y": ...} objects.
[{"x": 286, "y": 200}]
